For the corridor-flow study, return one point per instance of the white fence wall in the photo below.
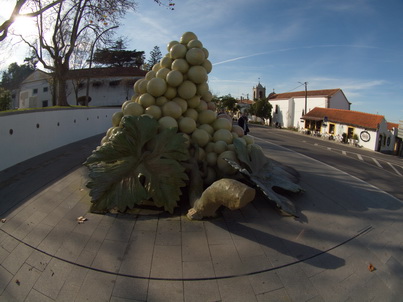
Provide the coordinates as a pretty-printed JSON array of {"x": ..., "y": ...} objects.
[{"x": 28, "y": 134}]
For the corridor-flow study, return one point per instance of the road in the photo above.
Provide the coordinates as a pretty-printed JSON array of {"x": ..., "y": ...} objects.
[{"x": 380, "y": 170}]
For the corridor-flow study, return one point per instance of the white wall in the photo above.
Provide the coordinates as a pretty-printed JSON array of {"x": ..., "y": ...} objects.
[
  {"x": 28, "y": 134},
  {"x": 103, "y": 95},
  {"x": 339, "y": 101}
]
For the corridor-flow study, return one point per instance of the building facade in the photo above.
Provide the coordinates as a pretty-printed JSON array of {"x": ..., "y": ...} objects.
[
  {"x": 366, "y": 130},
  {"x": 288, "y": 108},
  {"x": 106, "y": 86}
]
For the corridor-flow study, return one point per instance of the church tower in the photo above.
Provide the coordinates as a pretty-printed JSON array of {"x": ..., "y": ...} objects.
[{"x": 259, "y": 92}]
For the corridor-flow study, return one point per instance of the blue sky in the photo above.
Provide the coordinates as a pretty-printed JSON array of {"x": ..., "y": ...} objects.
[{"x": 353, "y": 45}]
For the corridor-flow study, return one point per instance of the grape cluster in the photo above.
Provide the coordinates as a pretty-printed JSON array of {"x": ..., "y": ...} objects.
[{"x": 176, "y": 93}]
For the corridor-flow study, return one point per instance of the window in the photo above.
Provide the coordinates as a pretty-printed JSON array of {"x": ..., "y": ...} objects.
[
  {"x": 45, "y": 89},
  {"x": 331, "y": 128},
  {"x": 35, "y": 91},
  {"x": 114, "y": 83},
  {"x": 45, "y": 103},
  {"x": 350, "y": 132}
]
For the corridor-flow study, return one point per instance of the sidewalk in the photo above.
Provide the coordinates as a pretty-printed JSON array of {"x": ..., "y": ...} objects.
[{"x": 253, "y": 254}]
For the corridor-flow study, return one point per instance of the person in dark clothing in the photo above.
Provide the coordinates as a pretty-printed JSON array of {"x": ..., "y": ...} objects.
[{"x": 243, "y": 123}]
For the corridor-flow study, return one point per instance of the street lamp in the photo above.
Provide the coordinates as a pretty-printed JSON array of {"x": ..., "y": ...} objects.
[{"x": 90, "y": 64}]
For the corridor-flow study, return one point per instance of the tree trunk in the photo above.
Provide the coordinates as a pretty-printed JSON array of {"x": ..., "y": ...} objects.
[{"x": 60, "y": 74}]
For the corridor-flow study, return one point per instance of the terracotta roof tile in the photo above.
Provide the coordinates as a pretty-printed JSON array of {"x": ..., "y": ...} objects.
[
  {"x": 245, "y": 101},
  {"x": 348, "y": 117},
  {"x": 310, "y": 93},
  {"x": 393, "y": 125}
]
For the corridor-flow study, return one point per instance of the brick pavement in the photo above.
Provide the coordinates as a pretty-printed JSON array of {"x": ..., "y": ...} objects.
[{"x": 253, "y": 254}]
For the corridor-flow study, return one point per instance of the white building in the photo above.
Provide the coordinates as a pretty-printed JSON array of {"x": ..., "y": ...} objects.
[
  {"x": 370, "y": 131},
  {"x": 288, "y": 108},
  {"x": 35, "y": 91},
  {"x": 107, "y": 86}
]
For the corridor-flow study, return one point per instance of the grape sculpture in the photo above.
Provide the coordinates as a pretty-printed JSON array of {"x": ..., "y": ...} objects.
[{"x": 169, "y": 139}]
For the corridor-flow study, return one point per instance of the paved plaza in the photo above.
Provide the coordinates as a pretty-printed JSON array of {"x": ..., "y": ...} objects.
[{"x": 346, "y": 244}]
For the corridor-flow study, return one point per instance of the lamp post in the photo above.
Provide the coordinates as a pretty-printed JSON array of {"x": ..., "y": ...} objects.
[{"x": 90, "y": 64}]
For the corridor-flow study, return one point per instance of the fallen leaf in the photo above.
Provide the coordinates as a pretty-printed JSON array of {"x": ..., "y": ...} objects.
[
  {"x": 371, "y": 268},
  {"x": 18, "y": 282},
  {"x": 81, "y": 219},
  {"x": 3, "y": 220}
]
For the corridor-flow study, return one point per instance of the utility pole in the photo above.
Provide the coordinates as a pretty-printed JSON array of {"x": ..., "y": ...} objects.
[{"x": 306, "y": 95}]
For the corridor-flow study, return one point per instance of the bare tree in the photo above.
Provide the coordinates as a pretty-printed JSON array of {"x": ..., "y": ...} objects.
[
  {"x": 20, "y": 4},
  {"x": 62, "y": 27}
]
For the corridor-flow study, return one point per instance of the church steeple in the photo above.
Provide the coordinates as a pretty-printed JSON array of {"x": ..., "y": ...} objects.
[{"x": 259, "y": 92}]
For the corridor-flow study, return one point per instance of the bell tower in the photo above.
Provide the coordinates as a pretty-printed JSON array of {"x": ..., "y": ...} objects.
[{"x": 259, "y": 92}]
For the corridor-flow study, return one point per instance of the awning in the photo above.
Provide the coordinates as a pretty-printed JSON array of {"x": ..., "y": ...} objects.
[{"x": 312, "y": 118}]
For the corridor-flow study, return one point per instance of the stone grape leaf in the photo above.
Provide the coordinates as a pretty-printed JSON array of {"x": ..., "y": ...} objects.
[
  {"x": 138, "y": 163},
  {"x": 265, "y": 174}
]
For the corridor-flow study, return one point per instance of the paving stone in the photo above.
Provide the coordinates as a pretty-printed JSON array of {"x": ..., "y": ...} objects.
[
  {"x": 122, "y": 228},
  {"x": 5, "y": 277},
  {"x": 117, "y": 299},
  {"x": 16, "y": 259},
  {"x": 93, "y": 245},
  {"x": 53, "y": 278},
  {"x": 217, "y": 232},
  {"x": 110, "y": 255},
  {"x": 20, "y": 286},
  {"x": 393, "y": 275},
  {"x": 9, "y": 243},
  {"x": 38, "y": 260},
  {"x": 167, "y": 261},
  {"x": 168, "y": 232},
  {"x": 277, "y": 295},
  {"x": 97, "y": 286},
  {"x": 236, "y": 289},
  {"x": 195, "y": 247},
  {"x": 146, "y": 223},
  {"x": 72, "y": 246},
  {"x": 35, "y": 296},
  {"x": 37, "y": 234},
  {"x": 3, "y": 254},
  {"x": 226, "y": 260},
  {"x": 131, "y": 288},
  {"x": 165, "y": 291},
  {"x": 28, "y": 223},
  {"x": 298, "y": 286},
  {"x": 265, "y": 282},
  {"x": 188, "y": 225},
  {"x": 201, "y": 290},
  {"x": 72, "y": 284},
  {"x": 139, "y": 254}
]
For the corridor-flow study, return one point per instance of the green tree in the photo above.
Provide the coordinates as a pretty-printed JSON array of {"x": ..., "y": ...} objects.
[
  {"x": 155, "y": 57},
  {"x": 64, "y": 26},
  {"x": 119, "y": 58},
  {"x": 262, "y": 108},
  {"x": 5, "y": 99},
  {"x": 15, "y": 74},
  {"x": 226, "y": 103}
]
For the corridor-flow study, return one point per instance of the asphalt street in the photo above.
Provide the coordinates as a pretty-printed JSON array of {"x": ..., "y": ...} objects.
[{"x": 384, "y": 171}]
